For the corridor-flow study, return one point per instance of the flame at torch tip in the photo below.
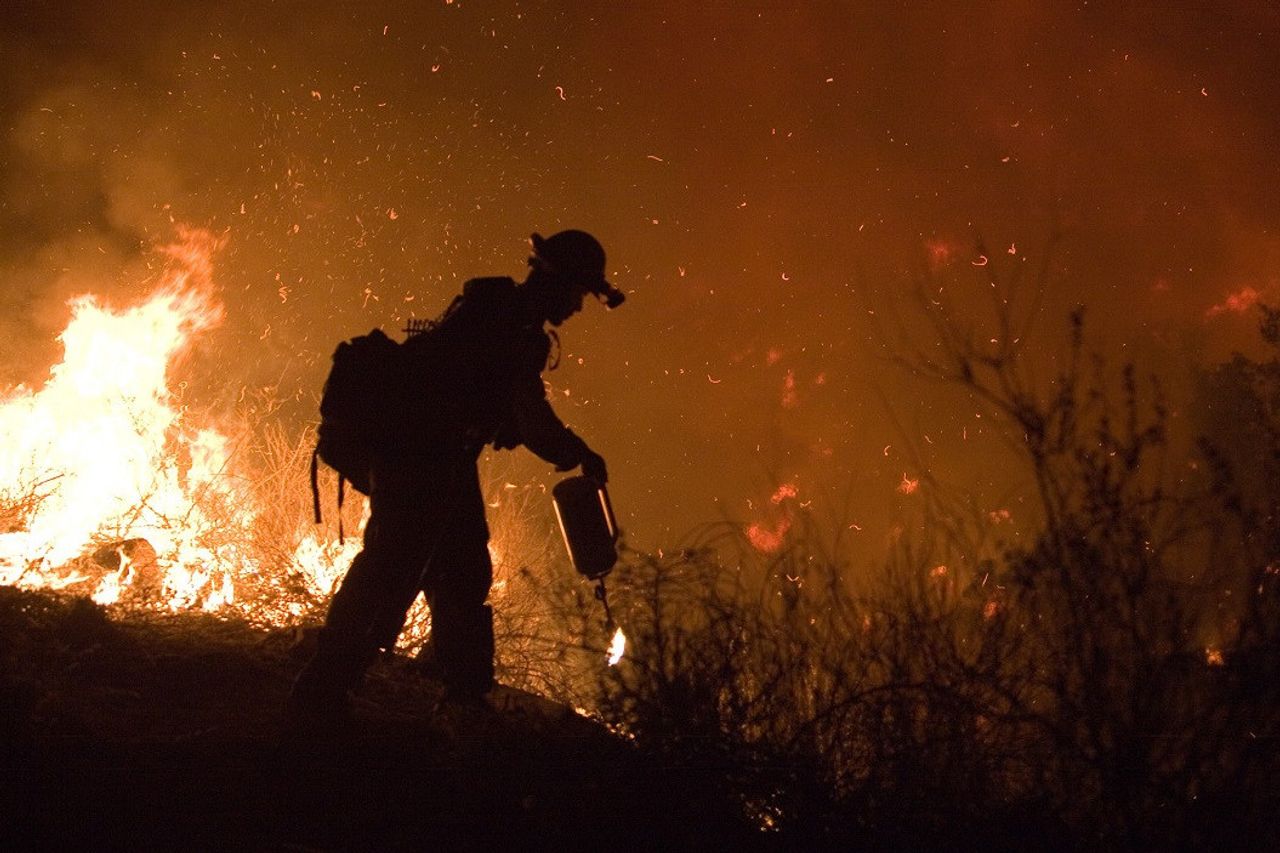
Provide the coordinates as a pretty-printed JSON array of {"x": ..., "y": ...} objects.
[{"x": 617, "y": 646}]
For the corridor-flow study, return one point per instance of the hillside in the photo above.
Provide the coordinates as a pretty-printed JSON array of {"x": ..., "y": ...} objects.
[{"x": 168, "y": 731}]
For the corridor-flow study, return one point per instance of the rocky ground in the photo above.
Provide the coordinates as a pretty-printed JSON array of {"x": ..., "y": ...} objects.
[{"x": 163, "y": 732}]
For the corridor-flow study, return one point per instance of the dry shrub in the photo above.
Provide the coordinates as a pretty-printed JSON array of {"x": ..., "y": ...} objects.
[
  {"x": 20, "y": 502},
  {"x": 1061, "y": 685}
]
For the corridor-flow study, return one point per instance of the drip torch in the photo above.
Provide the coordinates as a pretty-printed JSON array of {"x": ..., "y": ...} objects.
[{"x": 590, "y": 536}]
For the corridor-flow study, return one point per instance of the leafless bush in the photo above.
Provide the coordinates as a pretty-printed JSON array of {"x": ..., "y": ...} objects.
[
  {"x": 1117, "y": 595},
  {"x": 21, "y": 501},
  {"x": 1112, "y": 679}
]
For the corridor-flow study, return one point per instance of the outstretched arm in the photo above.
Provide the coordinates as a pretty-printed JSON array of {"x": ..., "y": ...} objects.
[{"x": 546, "y": 435}]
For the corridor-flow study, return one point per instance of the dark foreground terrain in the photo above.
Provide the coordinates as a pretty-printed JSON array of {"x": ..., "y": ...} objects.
[{"x": 169, "y": 732}]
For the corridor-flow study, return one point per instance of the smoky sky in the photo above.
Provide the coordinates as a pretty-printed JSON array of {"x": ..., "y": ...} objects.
[{"x": 771, "y": 181}]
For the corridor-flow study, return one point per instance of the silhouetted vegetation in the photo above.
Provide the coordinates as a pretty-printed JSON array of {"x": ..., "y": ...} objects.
[{"x": 1110, "y": 680}]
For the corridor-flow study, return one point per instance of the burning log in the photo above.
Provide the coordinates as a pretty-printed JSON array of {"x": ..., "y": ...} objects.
[
  {"x": 126, "y": 571},
  {"x": 132, "y": 565}
]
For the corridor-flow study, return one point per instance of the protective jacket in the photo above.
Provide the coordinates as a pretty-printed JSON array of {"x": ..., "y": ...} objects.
[{"x": 480, "y": 372}]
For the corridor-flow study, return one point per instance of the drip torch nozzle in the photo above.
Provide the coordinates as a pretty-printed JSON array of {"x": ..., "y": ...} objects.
[
  {"x": 618, "y": 643},
  {"x": 602, "y": 595}
]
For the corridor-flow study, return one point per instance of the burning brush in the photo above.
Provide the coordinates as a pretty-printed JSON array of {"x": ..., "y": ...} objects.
[{"x": 111, "y": 487}]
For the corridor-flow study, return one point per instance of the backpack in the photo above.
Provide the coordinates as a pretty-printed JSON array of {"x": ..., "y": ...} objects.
[
  {"x": 379, "y": 391},
  {"x": 358, "y": 411}
]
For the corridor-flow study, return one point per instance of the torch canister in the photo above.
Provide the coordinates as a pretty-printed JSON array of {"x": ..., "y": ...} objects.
[{"x": 587, "y": 523}]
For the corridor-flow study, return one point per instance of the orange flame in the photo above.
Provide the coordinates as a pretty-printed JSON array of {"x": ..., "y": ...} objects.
[
  {"x": 617, "y": 647},
  {"x": 106, "y": 457}
]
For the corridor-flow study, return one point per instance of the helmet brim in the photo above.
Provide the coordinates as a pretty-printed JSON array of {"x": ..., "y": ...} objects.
[{"x": 591, "y": 278}]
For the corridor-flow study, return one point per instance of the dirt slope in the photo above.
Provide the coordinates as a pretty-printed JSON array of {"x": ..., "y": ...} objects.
[{"x": 169, "y": 732}]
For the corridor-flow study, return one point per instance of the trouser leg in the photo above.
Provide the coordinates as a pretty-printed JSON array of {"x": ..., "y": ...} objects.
[
  {"x": 461, "y": 623},
  {"x": 367, "y": 610},
  {"x": 345, "y": 646},
  {"x": 427, "y": 511},
  {"x": 462, "y": 642}
]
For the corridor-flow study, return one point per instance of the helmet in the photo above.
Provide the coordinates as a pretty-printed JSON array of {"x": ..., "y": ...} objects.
[{"x": 578, "y": 256}]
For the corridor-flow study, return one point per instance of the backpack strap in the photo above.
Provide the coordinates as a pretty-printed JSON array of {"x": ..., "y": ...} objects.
[{"x": 315, "y": 492}]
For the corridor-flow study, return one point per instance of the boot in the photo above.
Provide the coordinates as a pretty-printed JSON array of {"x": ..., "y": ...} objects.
[
  {"x": 324, "y": 686},
  {"x": 465, "y": 652}
]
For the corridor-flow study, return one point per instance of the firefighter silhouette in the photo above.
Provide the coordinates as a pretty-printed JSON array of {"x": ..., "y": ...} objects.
[{"x": 480, "y": 383}]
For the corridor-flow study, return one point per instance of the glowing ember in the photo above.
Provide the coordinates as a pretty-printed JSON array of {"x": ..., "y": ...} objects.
[
  {"x": 617, "y": 647},
  {"x": 1236, "y": 303},
  {"x": 940, "y": 252},
  {"x": 786, "y": 490},
  {"x": 768, "y": 540},
  {"x": 790, "y": 399}
]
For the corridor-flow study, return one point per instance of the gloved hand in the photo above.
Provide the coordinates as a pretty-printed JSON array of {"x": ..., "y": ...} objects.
[{"x": 593, "y": 466}]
